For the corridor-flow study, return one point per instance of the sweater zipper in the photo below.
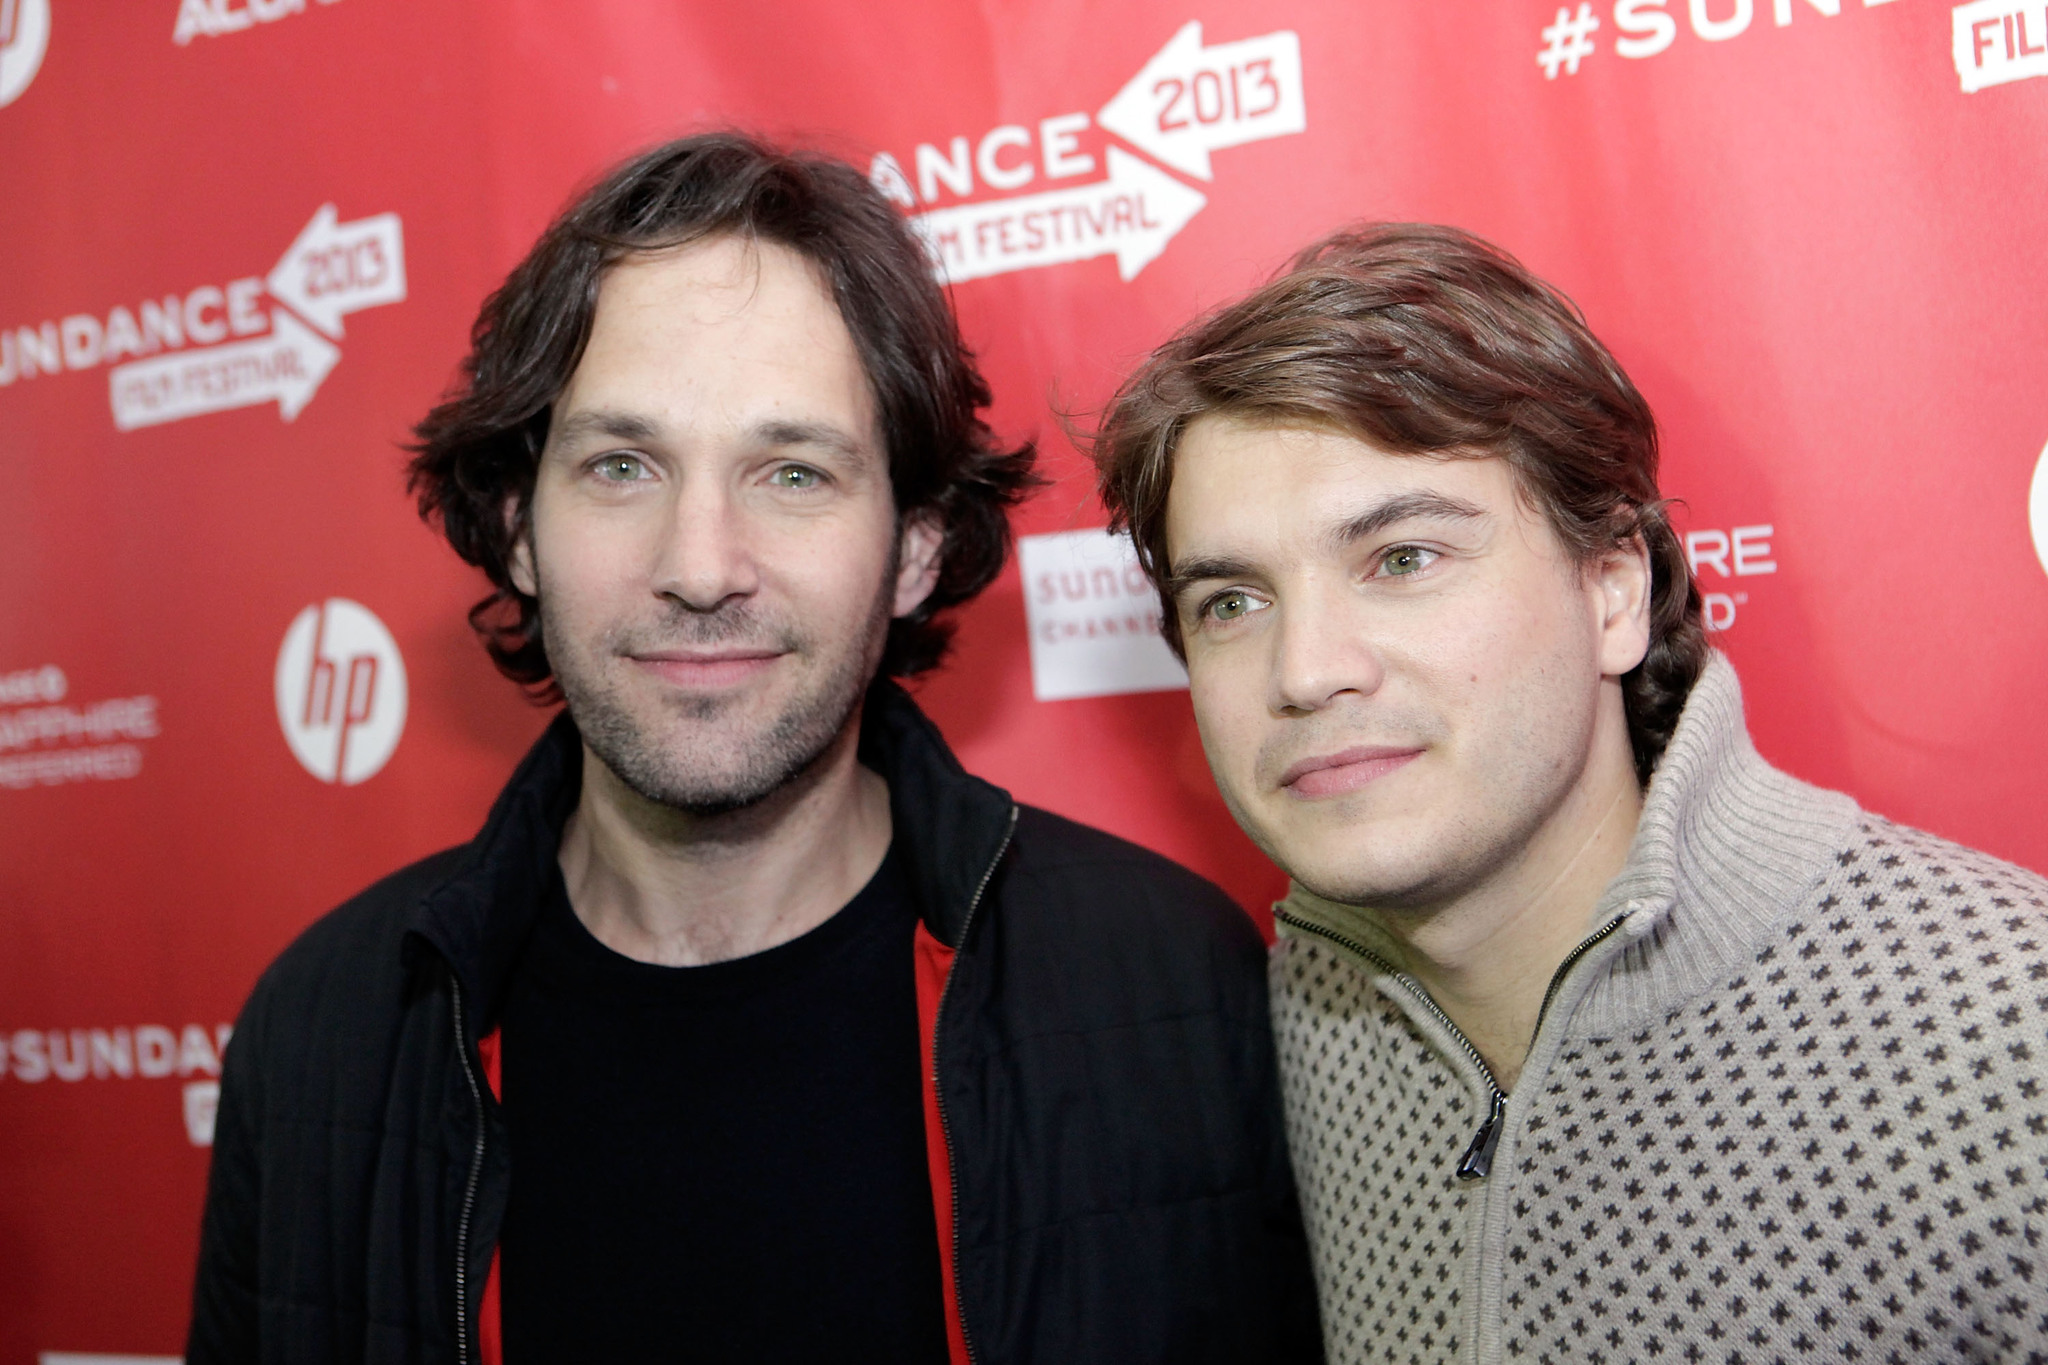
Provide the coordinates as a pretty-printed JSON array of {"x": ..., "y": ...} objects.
[
  {"x": 476, "y": 1166},
  {"x": 939, "y": 1091},
  {"x": 1477, "y": 1163}
]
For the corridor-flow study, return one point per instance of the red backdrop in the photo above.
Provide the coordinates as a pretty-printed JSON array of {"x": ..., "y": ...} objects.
[{"x": 1810, "y": 229}]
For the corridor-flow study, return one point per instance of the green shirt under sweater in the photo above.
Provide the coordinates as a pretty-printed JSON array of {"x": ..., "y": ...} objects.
[{"x": 1794, "y": 1106}]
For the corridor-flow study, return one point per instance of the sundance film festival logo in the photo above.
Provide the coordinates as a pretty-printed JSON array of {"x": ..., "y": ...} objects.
[
  {"x": 1188, "y": 100},
  {"x": 340, "y": 691},
  {"x": 216, "y": 347},
  {"x": 24, "y": 37}
]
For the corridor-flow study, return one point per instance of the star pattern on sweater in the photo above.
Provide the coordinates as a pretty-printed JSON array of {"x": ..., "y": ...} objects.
[
  {"x": 1381, "y": 1193},
  {"x": 1838, "y": 1153}
]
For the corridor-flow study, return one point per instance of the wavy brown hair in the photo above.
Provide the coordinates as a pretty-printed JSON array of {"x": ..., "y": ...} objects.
[
  {"x": 1426, "y": 340},
  {"x": 477, "y": 452}
]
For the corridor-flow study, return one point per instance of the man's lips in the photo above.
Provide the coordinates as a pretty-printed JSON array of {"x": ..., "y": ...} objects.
[
  {"x": 705, "y": 667},
  {"x": 1345, "y": 771}
]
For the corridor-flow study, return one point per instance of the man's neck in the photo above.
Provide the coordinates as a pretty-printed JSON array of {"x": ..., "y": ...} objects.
[
  {"x": 1488, "y": 958},
  {"x": 663, "y": 886}
]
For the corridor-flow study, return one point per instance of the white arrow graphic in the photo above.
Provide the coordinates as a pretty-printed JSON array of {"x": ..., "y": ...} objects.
[
  {"x": 337, "y": 268},
  {"x": 1190, "y": 100},
  {"x": 286, "y": 367},
  {"x": 1133, "y": 214}
]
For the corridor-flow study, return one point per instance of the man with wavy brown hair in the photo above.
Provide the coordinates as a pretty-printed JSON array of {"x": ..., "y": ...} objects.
[
  {"x": 1600, "y": 1037},
  {"x": 750, "y": 1028}
]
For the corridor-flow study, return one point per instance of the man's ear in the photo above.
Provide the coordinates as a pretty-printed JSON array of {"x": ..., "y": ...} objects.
[
  {"x": 1622, "y": 580},
  {"x": 917, "y": 561},
  {"x": 519, "y": 563}
]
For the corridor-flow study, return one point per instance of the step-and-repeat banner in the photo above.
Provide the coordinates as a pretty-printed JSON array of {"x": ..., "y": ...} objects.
[{"x": 241, "y": 242}]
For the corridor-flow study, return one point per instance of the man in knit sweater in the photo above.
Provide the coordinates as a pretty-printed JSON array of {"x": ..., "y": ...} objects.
[{"x": 1602, "y": 1040}]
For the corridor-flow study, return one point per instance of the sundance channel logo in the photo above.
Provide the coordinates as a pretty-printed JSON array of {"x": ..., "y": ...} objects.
[
  {"x": 340, "y": 691},
  {"x": 1093, "y": 618}
]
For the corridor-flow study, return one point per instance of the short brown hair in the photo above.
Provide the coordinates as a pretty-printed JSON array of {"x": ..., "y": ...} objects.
[
  {"x": 478, "y": 451},
  {"x": 1426, "y": 340}
]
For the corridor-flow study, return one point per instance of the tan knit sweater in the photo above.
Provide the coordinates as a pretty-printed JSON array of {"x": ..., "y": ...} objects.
[{"x": 1792, "y": 1106}]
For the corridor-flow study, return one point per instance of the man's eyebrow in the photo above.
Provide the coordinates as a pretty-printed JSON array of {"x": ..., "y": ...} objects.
[
  {"x": 614, "y": 425},
  {"x": 1420, "y": 505},
  {"x": 606, "y": 422},
  {"x": 802, "y": 433},
  {"x": 1206, "y": 569},
  {"x": 1375, "y": 519}
]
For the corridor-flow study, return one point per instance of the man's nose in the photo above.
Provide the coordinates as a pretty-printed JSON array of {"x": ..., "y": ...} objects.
[
  {"x": 1323, "y": 648},
  {"x": 705, "y": 555}
]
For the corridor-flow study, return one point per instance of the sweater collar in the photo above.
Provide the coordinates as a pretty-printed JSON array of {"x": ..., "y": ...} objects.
[
  {"x": 1725, "y": 846},
  {"x": 950, "y": 827}
]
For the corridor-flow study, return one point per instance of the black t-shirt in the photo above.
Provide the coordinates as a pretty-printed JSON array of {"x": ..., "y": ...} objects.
[{"x": 720, "y": 1163}]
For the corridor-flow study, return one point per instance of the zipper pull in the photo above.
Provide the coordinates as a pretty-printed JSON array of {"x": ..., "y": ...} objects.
[{"x": 1478, "y": 1159}]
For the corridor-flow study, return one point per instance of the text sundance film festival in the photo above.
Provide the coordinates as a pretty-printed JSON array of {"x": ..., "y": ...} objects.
[
  {"x": 213, "y": 348},
  {"x": 1187, "y": 101}
]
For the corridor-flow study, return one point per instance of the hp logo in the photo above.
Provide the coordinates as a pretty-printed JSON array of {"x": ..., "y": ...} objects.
[{"x": 340, "y": 691}]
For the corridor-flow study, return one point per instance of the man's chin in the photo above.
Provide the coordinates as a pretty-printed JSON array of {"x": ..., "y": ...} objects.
[
  {"x": 686, "y": 717},
  {"x": 722, "y": 746},
  {"x": 713, "y": 753},
  {"x": 1368, "y": 865},
  {"x": 1394, "y": 896},
  {"x": 679, "y": 778},
  {"x": 706, "y": 802},
  {"x": 702, "y": 717}
]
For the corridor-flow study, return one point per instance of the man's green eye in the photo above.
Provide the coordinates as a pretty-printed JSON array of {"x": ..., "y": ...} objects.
[
  {"x": 1229, "y": 606},
  {"x": 796, "y": 476},
  {"x": 1403, "y": 561},
  {"x": 619, "y": 468}
]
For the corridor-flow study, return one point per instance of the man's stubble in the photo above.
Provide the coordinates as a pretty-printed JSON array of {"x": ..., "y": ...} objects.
[{"x": 663, "y": 757}]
